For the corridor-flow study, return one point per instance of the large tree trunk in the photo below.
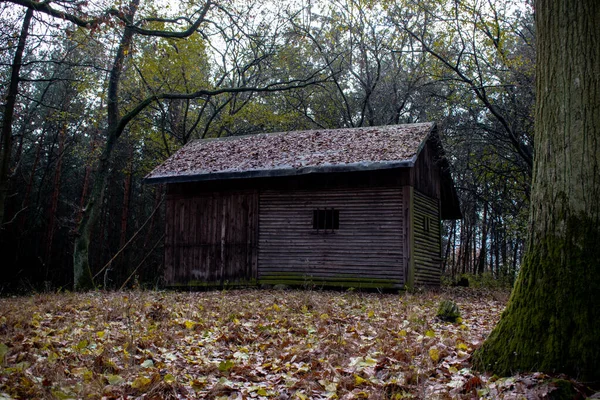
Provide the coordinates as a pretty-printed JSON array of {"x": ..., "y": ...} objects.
[{"x": 552, "y": 321}]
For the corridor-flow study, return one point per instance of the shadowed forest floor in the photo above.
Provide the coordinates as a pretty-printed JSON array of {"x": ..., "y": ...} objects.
[{"x": 259, "y": 344}]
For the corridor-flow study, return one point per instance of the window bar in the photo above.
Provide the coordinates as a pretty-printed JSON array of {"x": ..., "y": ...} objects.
[
  {"x": 331, "y": 222},
  {"x": 317, "y": 219}
]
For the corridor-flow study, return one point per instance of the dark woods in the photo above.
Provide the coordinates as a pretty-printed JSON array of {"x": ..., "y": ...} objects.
[{"x": 93, "y": 99}]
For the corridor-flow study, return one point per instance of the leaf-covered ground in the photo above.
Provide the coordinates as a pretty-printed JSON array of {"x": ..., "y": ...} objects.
[{"x": 250, "y": 344}]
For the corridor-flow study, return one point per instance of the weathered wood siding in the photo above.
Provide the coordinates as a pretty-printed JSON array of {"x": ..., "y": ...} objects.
[
  {"x": 426, "y": 240},
  {"x": 211, "y": 238},
  {"x": 426, "y": 174},
  {"x": 366, "y": 250}
]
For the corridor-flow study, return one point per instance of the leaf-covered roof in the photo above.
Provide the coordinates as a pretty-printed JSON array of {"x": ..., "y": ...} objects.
[{"x": 294, "y": 153}]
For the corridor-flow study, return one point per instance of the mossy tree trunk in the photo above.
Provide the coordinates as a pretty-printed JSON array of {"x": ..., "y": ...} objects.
[{"x": 552, "y": 321}]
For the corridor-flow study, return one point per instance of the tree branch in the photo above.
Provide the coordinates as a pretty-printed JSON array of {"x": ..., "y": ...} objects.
[
  {"x": 180, "y": 34},
  {"x": 273, "y": 87},
  {"x": 45, "y": 8}
]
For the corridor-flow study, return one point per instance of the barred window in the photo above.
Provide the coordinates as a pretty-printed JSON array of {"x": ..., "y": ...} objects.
[
  {"x": 426, "y": 223},
  {"x": 326, "y": 219}
]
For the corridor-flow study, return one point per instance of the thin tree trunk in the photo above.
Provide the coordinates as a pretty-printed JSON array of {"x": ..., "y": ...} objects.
[
  {"x": 447, "y": 251},
  {"x": 9, "y": 109},
  {"x": 126, "y": 196},
  {"x": 82, "y": 274},
  {"x": 55, "y": 195},
  {"x": 36, "y": 161},
  {"x": 483, "y": 249},
  {"x": 84, "y": 189},
  {"x": 501, "y": 254},
  {"x": 157, "y": 200},
  {"x": 515, "y": 259},
  {"x": 454, "y": 252}
]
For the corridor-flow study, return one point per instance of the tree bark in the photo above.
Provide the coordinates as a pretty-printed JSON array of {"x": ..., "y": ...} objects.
[
  {"x": 552, "y": 321},
  {"x": 62, "y": 135},
  {"x": 126, "y": 197},
  {"x": 9, "y": 110},
  {"x": 483, "y": 249},
  {"x": 82, "y": 274}
]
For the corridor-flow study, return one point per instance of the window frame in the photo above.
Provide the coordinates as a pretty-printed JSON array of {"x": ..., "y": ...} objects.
[{"x": 326, "y": 219}]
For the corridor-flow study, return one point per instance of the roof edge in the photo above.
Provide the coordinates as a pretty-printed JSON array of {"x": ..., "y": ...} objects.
[
  {"x": 433, "y": 129},
  {"x": 278, "y": 172}
]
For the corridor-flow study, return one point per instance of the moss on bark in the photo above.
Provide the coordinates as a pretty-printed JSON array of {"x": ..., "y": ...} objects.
[
  {"x": 552, "y": 321},
  {"x": 81, "y": 268}
]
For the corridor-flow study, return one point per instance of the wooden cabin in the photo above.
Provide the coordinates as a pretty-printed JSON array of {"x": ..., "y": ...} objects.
[{"x": 354, "y": 207}]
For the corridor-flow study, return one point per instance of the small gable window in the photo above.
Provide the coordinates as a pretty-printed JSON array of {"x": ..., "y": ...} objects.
[
  {"x": 426, "y": 223},
  {"x": 326, "y": 219}
]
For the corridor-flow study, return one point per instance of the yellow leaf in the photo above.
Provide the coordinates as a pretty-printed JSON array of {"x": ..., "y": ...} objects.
[
  {"x": 198, "y": 384},
  {"x": 169, "y": 378},
  {"x": 462, "y": 346},
  {"x": 100, "y": 334},
  {"x": 52, "y": 357},
  {"x": 359, "y": 380},
  {"x": 80, "y": 371},
  {"x": 226, "y": 365},
  {"x": 368, "y": 362},
  {"x": 434, "y": 354},
  {"x": 141, "y": 383},
  {"x": 324, "y": 316},
  {"x": 371, "y": 314},
  {"x": 82, "y": 344},
  {"x": 301, "y": 396},
  {"x": 276, "y": 307},
  {"x": 189, "y": 324},
  {"x": 402, "y": 332},
  {"x": 430, "y": 333},
  {"x": 261, "y": 392},
  {"x": 88, "y": 375},
  {"x": 114, "y": 379},
  {"x": 60, "y": 394}
]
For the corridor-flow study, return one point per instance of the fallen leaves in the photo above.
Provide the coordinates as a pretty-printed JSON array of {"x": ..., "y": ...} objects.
[{"x": 248, "y": 344}]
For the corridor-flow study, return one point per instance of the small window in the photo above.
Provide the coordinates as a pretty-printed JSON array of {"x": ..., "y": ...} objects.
[
  {"x": 326, "y": 219},
  {"x": 426, "y": 223}
]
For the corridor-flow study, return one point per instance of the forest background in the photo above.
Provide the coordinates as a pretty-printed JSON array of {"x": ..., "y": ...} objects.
[{"x": 104, "y": 92}]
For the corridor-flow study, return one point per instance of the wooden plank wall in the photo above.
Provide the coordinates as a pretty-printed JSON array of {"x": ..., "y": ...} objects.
[
  {"x": 426, "y": 174},
  {"x": 211, "y": 238},
  {"x": 368, "y": 245},
  {"x": 427, "y": 244}
]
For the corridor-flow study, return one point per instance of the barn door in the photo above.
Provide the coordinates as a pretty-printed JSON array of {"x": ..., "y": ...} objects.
[{"x": 212, "y": 240}]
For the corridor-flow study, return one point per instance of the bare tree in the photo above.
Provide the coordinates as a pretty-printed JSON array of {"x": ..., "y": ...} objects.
[{"x": 117, "y": 120}]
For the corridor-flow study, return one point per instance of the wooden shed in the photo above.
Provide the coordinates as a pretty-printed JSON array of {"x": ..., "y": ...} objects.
[{"x": 354, "y": 207}]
